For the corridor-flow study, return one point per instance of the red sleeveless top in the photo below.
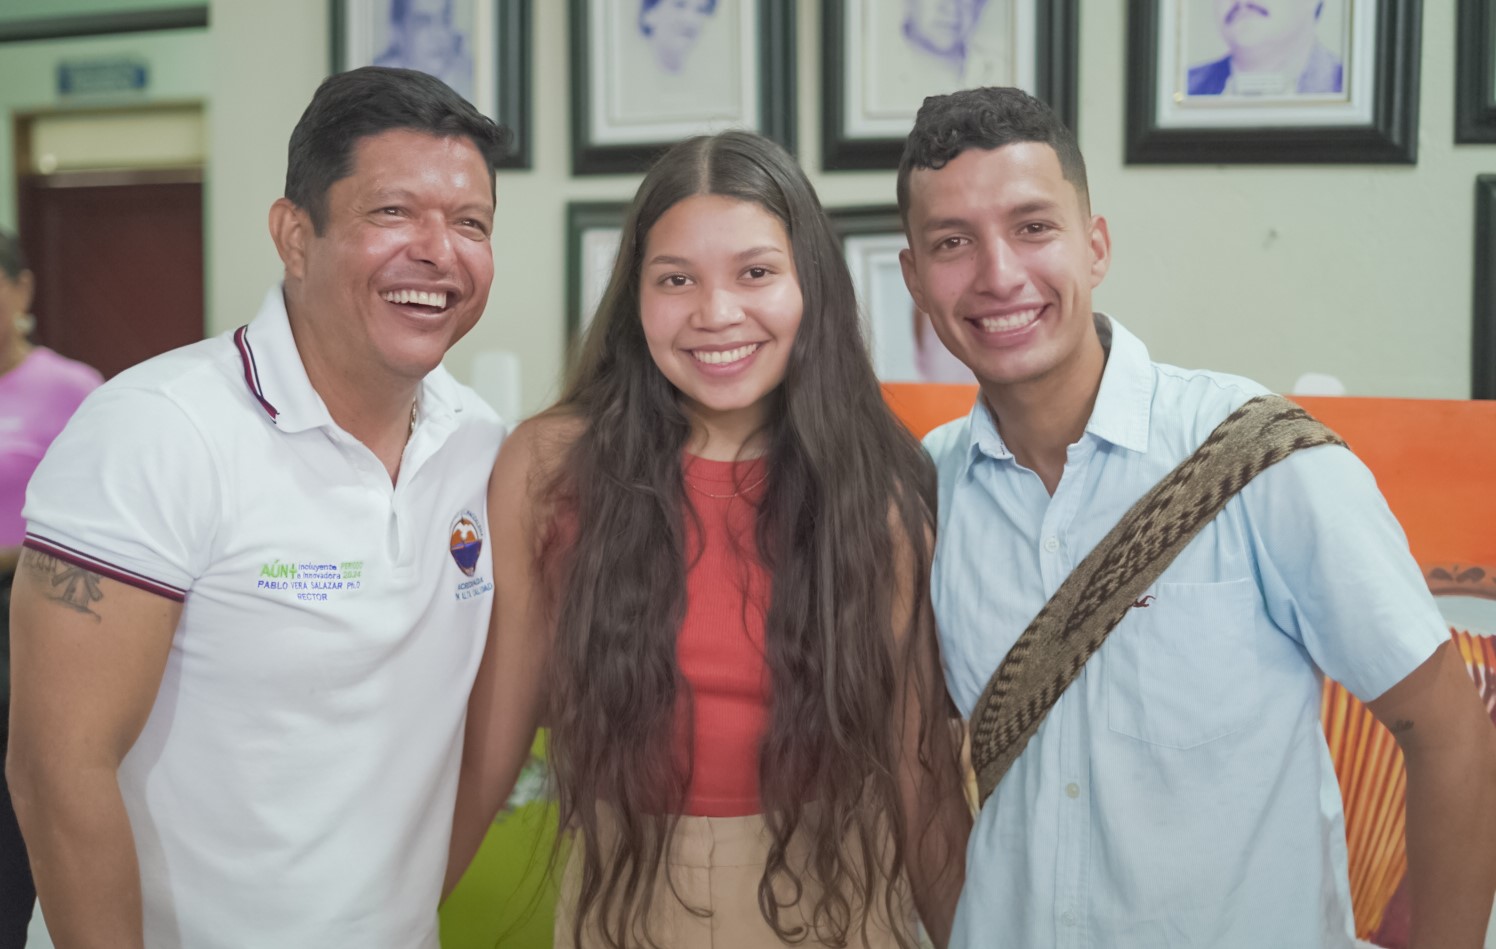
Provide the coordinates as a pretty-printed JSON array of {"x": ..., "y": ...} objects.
[{"x": 721, "y": 644}]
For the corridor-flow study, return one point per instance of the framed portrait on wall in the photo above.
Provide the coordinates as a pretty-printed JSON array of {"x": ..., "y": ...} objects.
[
  {"x": 881, "y": 58},
  {"x": 900, "y": 338},
  {"x": 594, "y": 230},
  {"x": 648, "y": 73},
  {"x": 481, "y": 48},
  {"x": 1272, "y": 81},
  {"x": 1483, "y": 323},
  {"x": 1475, "y": 73}
]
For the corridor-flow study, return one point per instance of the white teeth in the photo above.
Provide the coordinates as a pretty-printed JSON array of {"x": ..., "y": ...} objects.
[
  {"x": 1011, "y": 321},
  {"x": 437, "y": 299},
  {"x": 726, "y": 356}
]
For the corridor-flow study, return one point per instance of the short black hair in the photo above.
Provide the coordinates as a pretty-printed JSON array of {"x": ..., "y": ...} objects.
[
  {"x": 989, "y": 117},
  {"x": 353, "y": 105},
  {"x": 12, "y": 258}
]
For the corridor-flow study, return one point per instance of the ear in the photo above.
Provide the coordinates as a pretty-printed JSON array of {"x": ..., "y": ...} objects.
[
  {"x": 1101, "y": 250},
  {"x": 911, "y": 278},
  {"x": 291, "y": 230}
]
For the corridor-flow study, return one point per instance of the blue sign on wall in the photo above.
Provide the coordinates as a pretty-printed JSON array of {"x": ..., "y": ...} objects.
[{"x": 96, "y": 76}]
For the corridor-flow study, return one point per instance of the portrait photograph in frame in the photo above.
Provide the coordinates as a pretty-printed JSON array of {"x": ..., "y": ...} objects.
[
  {"x": 481, "y": 48},
  {"x": 900, "y": 338},
  {"x": 1475, "y": 73},
  {"x": 594, "y": 230},
  {"x": 1483, "y": 324},
  {"x": 1272, "y": 81},
  {"x": 647, "y": 73},
  {"x": 881, "y": 58}
]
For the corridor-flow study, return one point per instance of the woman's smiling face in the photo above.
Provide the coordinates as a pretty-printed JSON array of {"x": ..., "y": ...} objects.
[{"x": 720, "y": 303}]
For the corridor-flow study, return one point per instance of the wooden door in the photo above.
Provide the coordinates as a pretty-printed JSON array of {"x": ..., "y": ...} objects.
[{"x": 118, "y": 259}]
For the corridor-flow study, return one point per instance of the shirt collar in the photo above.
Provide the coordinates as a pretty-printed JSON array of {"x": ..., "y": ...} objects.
[
  {"x": 1125, "y": 399},
  {"x": 277, "y": 380},
  {"x": 985, "y": 438},
  {"x": 1123, "y": 402}
]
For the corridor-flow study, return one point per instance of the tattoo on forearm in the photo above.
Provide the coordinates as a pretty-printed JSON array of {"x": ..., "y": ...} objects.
[
  {"x": 61, "y": 582},
  {"x": 1402, "y": 725}
]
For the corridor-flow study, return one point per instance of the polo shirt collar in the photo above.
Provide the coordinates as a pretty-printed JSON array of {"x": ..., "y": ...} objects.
[
  {"x": 1123, "y": 402},
  {"x": 276, "y": 377}
]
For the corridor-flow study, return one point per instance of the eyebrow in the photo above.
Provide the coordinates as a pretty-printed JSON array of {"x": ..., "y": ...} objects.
[
  {"x": 671, "y": 261},
  {"x": 386, "y": 194},
  {"x": 756, "y": 251},
  {"x": 944, "y": 224},
  {"x": 380, "y": 195},
  {"x": 1033, "y": 207},
  {"x": 1038, "y": 206}
]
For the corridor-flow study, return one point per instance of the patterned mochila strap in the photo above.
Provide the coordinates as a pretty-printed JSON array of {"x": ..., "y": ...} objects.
[{"x": 1099, "y": 592}]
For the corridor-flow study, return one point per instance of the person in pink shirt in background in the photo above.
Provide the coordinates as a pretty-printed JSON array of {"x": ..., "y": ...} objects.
[{"x": 39, "y": 391}]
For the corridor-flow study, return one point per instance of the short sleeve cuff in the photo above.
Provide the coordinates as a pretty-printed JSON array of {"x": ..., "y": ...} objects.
[{"x": 135, "y": 575}]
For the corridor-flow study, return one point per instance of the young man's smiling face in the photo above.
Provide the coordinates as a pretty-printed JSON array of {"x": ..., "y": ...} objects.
[{"x": 1003, "y": 254}]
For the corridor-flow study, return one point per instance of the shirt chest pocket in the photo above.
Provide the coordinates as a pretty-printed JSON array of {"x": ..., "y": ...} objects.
[{"x": 1184, "y": 667}]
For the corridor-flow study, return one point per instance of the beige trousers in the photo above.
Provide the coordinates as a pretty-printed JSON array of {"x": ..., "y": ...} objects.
[{"x": 716, "y": 863}]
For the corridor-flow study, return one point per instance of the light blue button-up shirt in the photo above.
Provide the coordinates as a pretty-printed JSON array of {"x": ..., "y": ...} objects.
[{"x": 1180, "y": 793}]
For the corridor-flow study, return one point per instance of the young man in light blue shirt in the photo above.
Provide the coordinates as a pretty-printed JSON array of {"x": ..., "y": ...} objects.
[{"x": 1180, "y": 792}]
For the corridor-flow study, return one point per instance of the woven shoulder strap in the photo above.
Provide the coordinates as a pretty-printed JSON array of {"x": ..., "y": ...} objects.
[{"x": 1097, "y": 594}]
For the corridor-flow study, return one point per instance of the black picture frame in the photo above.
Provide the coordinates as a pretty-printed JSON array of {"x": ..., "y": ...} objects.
[
  {"x": 775, "y": 66},
  {"x": 1391, "y": 137},
  {"x": 510, "y": 45},
  {"x": 1056, "y": 39},
  {"x": 1483, "y": 322},
  {"x": 75, "y": 25},
  {"x": 582, "y": 218},
  {"x": 1475, "y": 73},
  {"x": 865, "y": 219}
]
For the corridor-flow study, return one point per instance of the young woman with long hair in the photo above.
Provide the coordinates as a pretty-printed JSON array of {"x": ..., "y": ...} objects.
[{"x": 711, "y": 559}]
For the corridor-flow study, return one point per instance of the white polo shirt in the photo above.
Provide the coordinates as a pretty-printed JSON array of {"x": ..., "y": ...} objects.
[{"x": 294, "y": 784}]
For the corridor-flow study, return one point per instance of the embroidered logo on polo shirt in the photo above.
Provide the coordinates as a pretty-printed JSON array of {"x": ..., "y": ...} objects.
[
  {"x": 311, "y": 580},
  {"x": 467, "y": 541},
  {"x": 466, "y": 545}
]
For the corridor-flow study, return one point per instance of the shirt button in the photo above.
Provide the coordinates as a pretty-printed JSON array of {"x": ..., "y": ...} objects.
[
  {"x": 1072, "y": 790},
  {"x": 1051, "y": 544},
  {"x": 1068, "y": 918}
]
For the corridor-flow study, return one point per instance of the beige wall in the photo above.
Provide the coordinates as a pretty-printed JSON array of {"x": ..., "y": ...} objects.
[
  {"x": 268, "y": 56},
  {"x": 1362, "y": 272},
  {"x": 178, "y": 68}
]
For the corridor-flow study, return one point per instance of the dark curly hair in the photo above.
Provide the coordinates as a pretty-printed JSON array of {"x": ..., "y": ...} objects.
[
  {"x": 989, "y": 117},
  {"x": 842, "y": 527}
]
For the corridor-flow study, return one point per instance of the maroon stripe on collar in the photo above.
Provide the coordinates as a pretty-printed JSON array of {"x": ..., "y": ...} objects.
[
  {"x": 251, "y": 371},
  {"x": 103, "y": 568}
]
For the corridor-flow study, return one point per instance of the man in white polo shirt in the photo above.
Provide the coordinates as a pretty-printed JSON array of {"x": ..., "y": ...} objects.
[{"x": 255, "y": 589}]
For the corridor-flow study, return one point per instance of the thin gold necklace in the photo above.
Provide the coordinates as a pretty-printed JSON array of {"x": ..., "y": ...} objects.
[{"x": 722, "y": 497}]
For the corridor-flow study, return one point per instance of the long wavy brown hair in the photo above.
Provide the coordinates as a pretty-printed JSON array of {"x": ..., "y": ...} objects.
[{"x": 848, "y": 492}]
